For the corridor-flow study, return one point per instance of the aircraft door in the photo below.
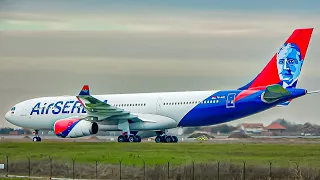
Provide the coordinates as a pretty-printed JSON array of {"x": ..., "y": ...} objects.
[
  {"x": 230, "y": 100},
  {"x": 158, "y": 105},
  {"x": 23, "y": 111}
]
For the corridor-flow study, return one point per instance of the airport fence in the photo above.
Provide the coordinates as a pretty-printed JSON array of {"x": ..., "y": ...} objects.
[{"x": 50, "y": 168}]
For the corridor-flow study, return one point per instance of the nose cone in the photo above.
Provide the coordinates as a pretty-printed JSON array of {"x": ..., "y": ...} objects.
[{"x": 8, "y": 116}]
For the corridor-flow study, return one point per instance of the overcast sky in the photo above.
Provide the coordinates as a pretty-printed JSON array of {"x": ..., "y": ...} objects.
[{"x": 50, "y": 48}]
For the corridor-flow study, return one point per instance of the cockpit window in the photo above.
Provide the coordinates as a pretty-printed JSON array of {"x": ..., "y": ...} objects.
[{"x": 14, "y": 108}]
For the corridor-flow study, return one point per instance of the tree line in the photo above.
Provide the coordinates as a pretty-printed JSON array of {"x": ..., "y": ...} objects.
[{"x": 291, "y": 128}]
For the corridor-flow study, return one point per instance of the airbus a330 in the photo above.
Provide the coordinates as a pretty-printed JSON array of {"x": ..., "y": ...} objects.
[{"x": 153, "y": 113}]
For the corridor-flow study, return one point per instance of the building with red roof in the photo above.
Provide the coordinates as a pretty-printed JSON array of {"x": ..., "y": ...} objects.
[
  {"x": 258, "y": 128},
  {"x": 275, "y": 129},
  {"x": 252, "y": 128}
]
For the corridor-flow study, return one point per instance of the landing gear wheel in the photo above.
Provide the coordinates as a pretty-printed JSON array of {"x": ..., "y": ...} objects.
[
  {"x": 163, "y": 138},
  {"x": 158, "y": 139},
  {"x": 137, "y": 139},
  {"x": 37, "y": 138},
  {"x": 168, "y": 139},
  {"x": 175, "y": 139},
  {"x": 121, "y": 138},
  {"x": 131, "y": 138}
]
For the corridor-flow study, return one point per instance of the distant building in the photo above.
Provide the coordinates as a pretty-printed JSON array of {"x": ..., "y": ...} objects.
[
  {"x": 252, "y": 128},
  {"x": 275, "y": 129},
  {"x": 14, "y": 133}
]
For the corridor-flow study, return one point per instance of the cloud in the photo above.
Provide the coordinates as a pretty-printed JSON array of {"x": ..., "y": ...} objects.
[
  {"x": 209, "y": 24},
  {"x": 31, "y": 16}
]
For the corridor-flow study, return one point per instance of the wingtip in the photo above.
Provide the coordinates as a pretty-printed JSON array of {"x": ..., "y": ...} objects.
[
  {"x": 85, "y": 87},
  {"x": 85, "y": 90}
]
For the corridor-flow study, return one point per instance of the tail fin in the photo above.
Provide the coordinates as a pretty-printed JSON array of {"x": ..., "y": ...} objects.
[{"x": 285, "y": 66}]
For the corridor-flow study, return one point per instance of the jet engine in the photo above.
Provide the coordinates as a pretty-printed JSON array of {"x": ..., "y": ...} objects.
[{"x": 72, "y": 128}]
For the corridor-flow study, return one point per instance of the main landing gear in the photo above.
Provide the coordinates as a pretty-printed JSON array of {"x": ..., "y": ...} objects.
[
  {"x": 129, "y": 138},
  {"x": 162, "y": 137},
  {"x": 166, "y": 139},
  {"x": 37, "y": 138}
]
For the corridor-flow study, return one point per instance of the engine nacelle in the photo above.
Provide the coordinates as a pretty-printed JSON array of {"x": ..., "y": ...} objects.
[{"x": 72, "y": 128}]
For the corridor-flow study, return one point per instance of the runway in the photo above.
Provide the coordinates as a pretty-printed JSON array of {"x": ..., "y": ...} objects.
[{"x": 182, "y": 139}]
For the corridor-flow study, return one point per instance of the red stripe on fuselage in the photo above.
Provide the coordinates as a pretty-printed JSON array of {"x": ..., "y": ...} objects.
[
  {"x": 244, "y": 94},
  {"x": 80, "y": 101}
]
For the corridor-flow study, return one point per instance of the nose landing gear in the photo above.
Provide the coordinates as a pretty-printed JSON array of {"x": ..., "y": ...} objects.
[{"x": 37, "y": 138}]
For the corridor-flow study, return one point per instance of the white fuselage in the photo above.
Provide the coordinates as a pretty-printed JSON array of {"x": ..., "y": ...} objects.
[{"x": 42, "y": 113}]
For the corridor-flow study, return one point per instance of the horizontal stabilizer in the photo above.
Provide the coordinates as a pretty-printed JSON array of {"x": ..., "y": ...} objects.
[{"x": 275, "y": 92}]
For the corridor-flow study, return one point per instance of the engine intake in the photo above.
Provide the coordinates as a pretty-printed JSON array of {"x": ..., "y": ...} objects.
[{"x": 72, "y": 128}]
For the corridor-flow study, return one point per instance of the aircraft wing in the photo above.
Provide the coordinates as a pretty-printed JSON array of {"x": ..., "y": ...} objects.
[{"x": 98, "y": 110}]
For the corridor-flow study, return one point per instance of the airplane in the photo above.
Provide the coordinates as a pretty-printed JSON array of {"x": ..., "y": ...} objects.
[{"x": 151, "y": 114}]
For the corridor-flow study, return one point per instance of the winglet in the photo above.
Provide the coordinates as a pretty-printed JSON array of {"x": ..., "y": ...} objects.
[{"x": 85, "y": 91}]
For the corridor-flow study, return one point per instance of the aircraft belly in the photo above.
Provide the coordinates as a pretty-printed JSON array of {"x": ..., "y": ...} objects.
[{"x": 142, "y": 126}]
